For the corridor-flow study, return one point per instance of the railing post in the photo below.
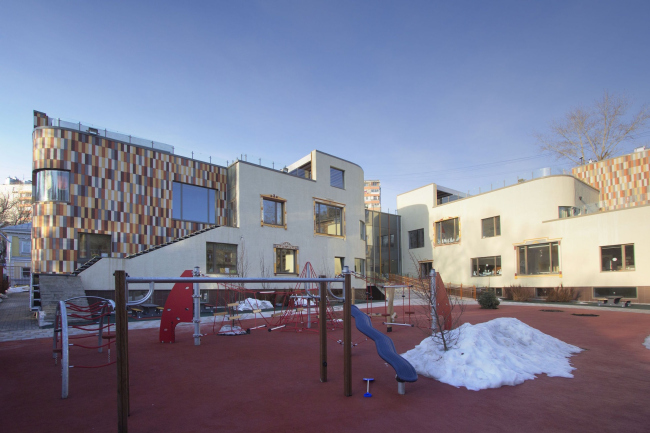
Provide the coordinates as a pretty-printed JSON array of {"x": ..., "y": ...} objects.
[
  {"x": 122, "y": 349},
  {"x": 322, "y": 324},
  {"x": 347, "y": 333},
  {"x": 197, "y": 308}
]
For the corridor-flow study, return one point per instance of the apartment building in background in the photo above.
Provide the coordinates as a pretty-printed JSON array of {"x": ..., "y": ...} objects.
[{"x": 372, "y": 195}]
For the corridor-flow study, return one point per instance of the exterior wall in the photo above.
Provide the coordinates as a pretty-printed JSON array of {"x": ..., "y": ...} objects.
[
  {"x": 529, "y": 214},
  {"x": 256, "y": 240},
  {"x": 623, "y": 181},
  {"x": 115, "y": 188}
]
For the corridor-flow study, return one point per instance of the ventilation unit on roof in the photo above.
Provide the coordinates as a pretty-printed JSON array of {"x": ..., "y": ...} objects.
[{"x": 640, "y": 149}]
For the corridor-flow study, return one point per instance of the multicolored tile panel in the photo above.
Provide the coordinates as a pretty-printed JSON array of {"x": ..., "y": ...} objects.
[
  {"x": 623, "y": 181},
  {"x": 116, "y": 188}
]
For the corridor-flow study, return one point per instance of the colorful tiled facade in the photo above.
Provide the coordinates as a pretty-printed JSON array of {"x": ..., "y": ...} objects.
[
  {"x": 115, "y": 188},
  {"x": 623, "y": 181}
]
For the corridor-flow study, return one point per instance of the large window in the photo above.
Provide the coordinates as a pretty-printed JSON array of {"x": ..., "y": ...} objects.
[
  {"x": 448, "y": 231},
  {"x": 328, "y": 219},
  {"x": 416, "y": 238},
  {"x": 491, "y": 227},
  {"x": 360, "y": 266},
  {"x": 273, "y": 212},
  {"x": 286, "y": 261},
  {"x": 539, "y": 259},
  {"x": 52, "y": 185},
  {"x": 624, "y": 292},
  {"x": 568, "y": 211},
  {"x": 194, "y": 203},
  {"x": 486, "y": 266},
  {"x": 221, "y": 258},
  {"x": 337, "y": 178},
  {"x": 93, "y": 245},
  {"x": 617, "y": 258}
]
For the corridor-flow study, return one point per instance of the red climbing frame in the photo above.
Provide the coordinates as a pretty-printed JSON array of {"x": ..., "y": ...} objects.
[{"x": 178, "y": 308}]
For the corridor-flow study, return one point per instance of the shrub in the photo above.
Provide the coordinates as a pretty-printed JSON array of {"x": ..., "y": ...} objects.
[
  {"x": 487, "y": 299},
  {"x": 517, "y": 293},
  {"x": 562, "y": 294}
]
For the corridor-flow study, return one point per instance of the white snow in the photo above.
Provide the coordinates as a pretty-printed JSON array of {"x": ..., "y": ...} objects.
[
  {"x": 646, "y": 343},
  {"x": 18, "y": 289},
  {"x": 253, "y": 304},
  {"x": 503, "y": 351}
]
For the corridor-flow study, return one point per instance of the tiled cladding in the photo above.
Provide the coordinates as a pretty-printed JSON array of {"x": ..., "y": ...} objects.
[
  {"x": 622, "y": 181},
  {"x": 115, "y": 188}
]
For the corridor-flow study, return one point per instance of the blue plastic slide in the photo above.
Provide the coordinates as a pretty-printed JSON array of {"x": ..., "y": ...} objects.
[{"x": 385, "y": 347}]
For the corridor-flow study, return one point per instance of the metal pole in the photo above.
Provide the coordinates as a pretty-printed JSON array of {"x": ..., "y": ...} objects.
[
  {"x": 122, "y": 349},
  {"x": 347, "y": 334},
  {"x": 322, "y": 324},
  {"x": 197, "y": 308},
  {"x": 432, "y": 296}
]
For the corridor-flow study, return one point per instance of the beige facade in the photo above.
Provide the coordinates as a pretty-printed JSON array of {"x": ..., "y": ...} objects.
[{"x": 534, "y": 244}]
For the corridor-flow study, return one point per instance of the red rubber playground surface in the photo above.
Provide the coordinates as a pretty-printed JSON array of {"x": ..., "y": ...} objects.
[{"x": 269, "y": 382}]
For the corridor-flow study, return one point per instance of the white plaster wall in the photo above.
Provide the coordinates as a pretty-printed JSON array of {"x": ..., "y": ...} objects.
[{"x": 258, "y": 240}]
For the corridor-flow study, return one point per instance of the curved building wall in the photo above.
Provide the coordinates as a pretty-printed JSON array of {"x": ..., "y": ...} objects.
[{"x": 115, "y": 188}]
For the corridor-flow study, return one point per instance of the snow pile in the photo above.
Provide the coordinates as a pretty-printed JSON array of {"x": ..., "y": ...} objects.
[
  {"x": 18, "y": 289},
  {"x": 646, "y": 343},
  {"x": 500, "y": 352},
  {"x": 253, "y": 304}
]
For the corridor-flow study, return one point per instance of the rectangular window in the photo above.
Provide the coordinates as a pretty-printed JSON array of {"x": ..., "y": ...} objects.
[
  {"x": 416, "y": 238},
  {"x": 617, "y": 258},
  {"x": 624, "y": 292},
  {"x": 194, "y": 203},
  {"x": 360, "y": 266},
  {"x": 486, "y": 266},
  {"x": 328, "y": 219},
  {"x": 539, "y": 259},
  {"x": 448, "y": 231},
  {"x": 568, "y": 211},
  {"x": 337, "y": 178},
  {"x": 491, "y": 227},
  {"x": 339, "y": 262},
  {"x": 93, "y": 245},
  {"x": 273, "y": 212},
  {"x": 26, "y": 272},
  {"x": 221, "y": 258},
  {"x": 425, "y": 269},
  {"x": 25, "y": 246},
  {"x": 286, "y": 261},
  {"x": 52, "y": 185},
  {"x": 362, "y": 230}
]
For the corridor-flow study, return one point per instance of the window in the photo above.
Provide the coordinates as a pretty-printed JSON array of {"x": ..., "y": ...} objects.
[
  {"x": 52, "y": 185},
  {"x": 486, "y": 266},
  {"x": 624, "y": 292},
  {"x": 539, "y": 259},
  {"x": 617, "y": 258},
  {"x": 221, "y": 258},
  {"x": 273, "y": 212},
  {"x": 425, "y": 269},
  {"x": 491, "y": 227},
  {"x": 25, "y": 246},
  {"x": 362, "y": 230},
  {"x": 337, "y": 178},
  {"x": 360, "y": 266},
  {"x": 286, "y": 261},
  {"x": 194, "y": 203},
  {"x": 339, "y": 262},
  {"x": 26, "y": 272},
  {"x": 385, "y": 238},
  {"x": 93, "y": 245},
  {"x": 416, "y": 238},
  {"x": 328, "y": 219},
  {"x": 568, "y": 211},
  {"x": 448, "y": 231}
]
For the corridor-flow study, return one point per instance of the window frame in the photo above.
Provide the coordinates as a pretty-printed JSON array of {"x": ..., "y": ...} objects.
[
  {"x": 437, "y": 230},
  {"x": 21, "y": 244},
  {"x": 334, "y": 169},
  {"x": 526, "y": 246},
  {"x": 215, "y": 211},
  {"x": 495, "y": 227},
  {"x": 362, "y": 230},
  {"x": 497, "y": 267},
  {"x": 624, "y": 266},
  {"x": 419, "y": 238},
  {"x": 276, "y": 199},
  {"x": 360, "y": 263},
  {"x": 278, "y": 248},
  {"x": 214, "y": 265},
  {"x": 321, "y": 202}
]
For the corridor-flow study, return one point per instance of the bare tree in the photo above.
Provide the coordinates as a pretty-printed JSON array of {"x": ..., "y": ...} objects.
[
  {"x": 12, "y": 212},
  {"x": 594, "y": 132},
  {"x": 443, "y": 312},
  {"x": 264, "y": 272}
]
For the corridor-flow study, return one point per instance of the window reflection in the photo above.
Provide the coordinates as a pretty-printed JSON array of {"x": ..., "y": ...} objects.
[{"x": 52, "y": 185}]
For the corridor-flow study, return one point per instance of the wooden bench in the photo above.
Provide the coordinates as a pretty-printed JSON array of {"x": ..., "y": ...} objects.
[{"x": 613, "y": 300}]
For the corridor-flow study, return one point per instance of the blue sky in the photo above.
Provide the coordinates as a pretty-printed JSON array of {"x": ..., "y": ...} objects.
[{"x": 413, "y": 91}]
